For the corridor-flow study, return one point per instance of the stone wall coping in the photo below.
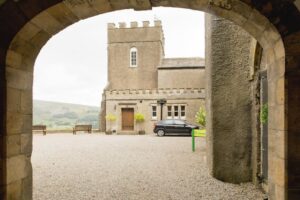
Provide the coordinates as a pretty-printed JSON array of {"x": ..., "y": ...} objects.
[
  {"x": 134, "y": 24},
  {"x": 156, "y": 91}
]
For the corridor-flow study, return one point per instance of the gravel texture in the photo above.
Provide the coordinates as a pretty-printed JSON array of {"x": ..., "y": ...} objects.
[{"x": 96, "y": 166}]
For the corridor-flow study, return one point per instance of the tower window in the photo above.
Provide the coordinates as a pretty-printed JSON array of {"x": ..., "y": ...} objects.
[{"x": 133, "y": 57}]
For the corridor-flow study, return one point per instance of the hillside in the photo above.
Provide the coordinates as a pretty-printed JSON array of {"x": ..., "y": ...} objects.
[{"x": 61, "y": 116}]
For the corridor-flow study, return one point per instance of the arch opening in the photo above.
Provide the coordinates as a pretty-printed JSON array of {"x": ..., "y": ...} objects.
[{"x": 29, "y": 40}]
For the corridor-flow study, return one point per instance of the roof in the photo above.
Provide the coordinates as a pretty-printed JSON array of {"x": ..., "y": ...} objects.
[{"x": 168, "y": 63}]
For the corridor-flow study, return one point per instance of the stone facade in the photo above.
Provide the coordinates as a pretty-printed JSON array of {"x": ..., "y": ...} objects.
[{"x": 180, "y": 81}]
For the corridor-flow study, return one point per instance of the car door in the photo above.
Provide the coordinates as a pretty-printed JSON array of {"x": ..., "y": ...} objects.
[
  {"x": 168, "y": 126},
  {"x": 179, "y": 127}
]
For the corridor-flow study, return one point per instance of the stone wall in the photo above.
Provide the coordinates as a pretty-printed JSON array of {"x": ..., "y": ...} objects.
[
  {"x": 142, "y": 100},
  {"x": 228, "y": 100},
  {"x": 186, "y": 78}
]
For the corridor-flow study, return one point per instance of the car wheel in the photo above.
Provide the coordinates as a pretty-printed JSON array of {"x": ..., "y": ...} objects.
[{"x": 160, "y": 133}]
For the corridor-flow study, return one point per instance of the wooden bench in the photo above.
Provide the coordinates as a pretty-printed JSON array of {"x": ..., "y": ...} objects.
[
  {"x": 82, "y": 127},
  {"x": 40, "y": 128}
]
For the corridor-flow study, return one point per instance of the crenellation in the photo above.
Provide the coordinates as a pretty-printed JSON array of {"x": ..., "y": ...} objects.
[
  {"x": 133, "y": 24},
  {"x": 111, "y": 25},
  {"x": 157, "y": 23},
  {"x": 146, "y": 23},
  {"x": 122, "y": 25},
  {"x": 155, "y": 91}
]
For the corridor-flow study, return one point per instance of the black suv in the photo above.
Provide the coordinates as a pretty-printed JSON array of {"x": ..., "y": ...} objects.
[{"x": 173, "y": 127}]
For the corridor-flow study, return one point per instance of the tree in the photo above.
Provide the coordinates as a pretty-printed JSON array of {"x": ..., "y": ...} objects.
[{"x": 201, "y": 117}]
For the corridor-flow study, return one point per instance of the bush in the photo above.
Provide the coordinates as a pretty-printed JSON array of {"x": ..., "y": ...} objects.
[
  {"x": 201, "y": 117},
  {"x": 111, "y": 117},
  {"x": 139, "y": 117}
]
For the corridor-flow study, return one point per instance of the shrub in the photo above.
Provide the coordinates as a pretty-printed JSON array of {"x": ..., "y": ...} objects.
[
  {"x": 111, "y": 117},
  {"x": 264, "y": 114},
  {"x": 201, "y": 117},
  {"x": 139, "y": 117}
]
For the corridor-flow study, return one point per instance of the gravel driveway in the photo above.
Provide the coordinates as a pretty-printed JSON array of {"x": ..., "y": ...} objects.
[{"x": 96, "y": 166}]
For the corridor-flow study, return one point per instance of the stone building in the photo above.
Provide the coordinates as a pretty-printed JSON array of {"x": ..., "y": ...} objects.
[{"x": 136, "y": 54}]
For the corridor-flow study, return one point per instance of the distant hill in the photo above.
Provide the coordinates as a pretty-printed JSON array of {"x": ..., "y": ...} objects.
[{"x": 62, "y": 116}]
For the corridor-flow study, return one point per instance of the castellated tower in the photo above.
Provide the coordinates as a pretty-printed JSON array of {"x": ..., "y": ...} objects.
[{"x": 133, "y": 55}]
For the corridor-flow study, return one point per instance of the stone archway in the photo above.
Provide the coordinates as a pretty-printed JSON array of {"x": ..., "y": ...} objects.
[{"x": 34, "y": 30}]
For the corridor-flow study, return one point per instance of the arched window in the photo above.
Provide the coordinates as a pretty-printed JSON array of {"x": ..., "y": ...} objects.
[{"x": 133, "y": 57}]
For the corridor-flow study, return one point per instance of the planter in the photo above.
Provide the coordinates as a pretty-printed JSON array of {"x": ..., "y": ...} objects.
[
  {"x": 108, "y": 132},
  {"x": 142, "y": 132}
]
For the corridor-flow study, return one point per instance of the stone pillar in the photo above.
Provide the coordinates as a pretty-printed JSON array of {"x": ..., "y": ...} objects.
[
  {"x": 228, "y": 100},
  {"x": 292, "y": 125},
  {"x": 2, "y": 127}
]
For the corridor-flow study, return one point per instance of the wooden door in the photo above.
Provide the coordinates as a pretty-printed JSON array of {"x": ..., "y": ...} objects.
[{"x": 127, "y": 119}]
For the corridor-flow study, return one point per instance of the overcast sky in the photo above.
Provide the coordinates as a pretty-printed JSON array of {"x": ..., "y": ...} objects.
[{"x": 72, "y": 66}]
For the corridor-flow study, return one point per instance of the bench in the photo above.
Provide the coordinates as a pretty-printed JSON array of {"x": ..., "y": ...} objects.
[
  {"x": 40, "y": 128},
  {"x": 87, "y": 128},
  {"x": 197, "y": 133}
]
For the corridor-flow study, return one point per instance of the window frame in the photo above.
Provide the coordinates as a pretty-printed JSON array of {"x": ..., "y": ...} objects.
[
  {"x": 154, "y": 111},
  {"x": 133, "y": 50}
]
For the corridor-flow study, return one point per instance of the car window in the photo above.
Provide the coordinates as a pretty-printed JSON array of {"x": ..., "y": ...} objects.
[
  {"x": 168, "y": 122},
  {"x": 179, "y": 122}
]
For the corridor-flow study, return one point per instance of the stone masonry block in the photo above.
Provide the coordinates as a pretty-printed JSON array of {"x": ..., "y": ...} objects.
[
  {"x": 13, "y": 143},
  {"x": 119, "y": 4},
  {"x": 47, "y": 23},
  {"x": 277, "y": 144},
  {"x": 28, "y": 31},
  {"x": 18, "y": 167},
  {"x": 63, "y": 14},
  {"x": 13, "y": 99},
  {"x": 101, "y": 6},
  {"x": 140, "y": 4},
  {"x": 277, "y": 171},
  {"x": 18, "y": 79},
  {"x": 271, "y": 34},
  {"x": 13, "y": 59},
  {"x": 277, "y": 120},
  {"x": 26, "y": 143},
  {"x": 27, "y": 123},
  {"x": 279, "y": 50},
  {"x": 82, "y": 9},
  {"x": 14, "y": 190},
  {"x": 14, "y": 123},
  {"x": 38, "y": 41},
  {"x": 21, "y": 47},
  {"x": 27, "y": 188},
  {"x": 26, "y": 102},
  {"x": 276, "y": 69}
]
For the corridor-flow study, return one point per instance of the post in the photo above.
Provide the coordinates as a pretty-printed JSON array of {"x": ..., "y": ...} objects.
[
  {"x": 193, "y": 140},
  {"x": 161, "y": 102}
]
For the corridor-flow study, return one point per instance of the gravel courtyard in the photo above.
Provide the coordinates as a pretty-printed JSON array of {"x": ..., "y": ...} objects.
[{"x": 96, "y": 167}]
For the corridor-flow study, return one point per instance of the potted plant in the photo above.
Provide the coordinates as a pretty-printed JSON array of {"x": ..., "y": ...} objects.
[
  {"x": 110, "y": 118},
  {"x": 139, "y": 119},
  {"x": 201, "y": 117}
]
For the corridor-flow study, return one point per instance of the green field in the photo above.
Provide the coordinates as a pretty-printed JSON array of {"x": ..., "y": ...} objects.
[{"x": 63, "y": 116}]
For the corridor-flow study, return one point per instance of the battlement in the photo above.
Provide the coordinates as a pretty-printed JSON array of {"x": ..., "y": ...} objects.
[
  {"x": 155, "y": 93},
  {"x": 145, "y": 24}
]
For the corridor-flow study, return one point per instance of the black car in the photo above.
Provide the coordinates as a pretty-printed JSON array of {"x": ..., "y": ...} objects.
[{"x": 173, "y": 127}]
